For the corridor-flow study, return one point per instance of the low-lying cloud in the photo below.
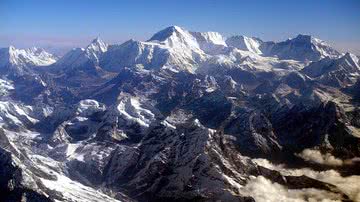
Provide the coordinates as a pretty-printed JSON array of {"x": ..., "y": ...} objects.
[
  {"x": 349, "y": 185},
  {"x": 316, "y": 156},
  {"x": 263, "y": 190}
]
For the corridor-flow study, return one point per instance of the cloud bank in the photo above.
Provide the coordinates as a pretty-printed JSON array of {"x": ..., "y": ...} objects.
[{"x": 349, "y": 185}]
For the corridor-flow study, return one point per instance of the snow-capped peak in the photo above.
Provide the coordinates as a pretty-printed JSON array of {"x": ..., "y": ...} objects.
[
  {"x": 98, "y": 45},
  {"x": 318, "y": 45},
  {"x": 166, "y": 33},
  {"x": 348, "y": 64},
  {"x": 245, "y": 43},
  {"x": 352, "y": 59},
  {"x": 12, "y": 48},
  {"x": 308, "y": 40},
  {"x": 79, "y": 56},
  {"x": 301, "y": 48},
  {"x": 25, "y": 57},
  {"x": 304, "y": 38},
  {"x": 176, "y": 37},
  {"x": 95, "y": 49},
  {"x": 134, "y": 111}
]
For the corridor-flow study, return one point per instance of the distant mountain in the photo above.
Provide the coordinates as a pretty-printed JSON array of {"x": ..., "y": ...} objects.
[
  {"x": 80, "y": 56},
  {"x": 172, "y": 47},
  {"x": 133, "y": 53},
  {"x": 22, "y": 60},
  {"x": 302, "y": 47},
  {"x": 176, "y": 49},
  {"x": 339, "y": 72}
]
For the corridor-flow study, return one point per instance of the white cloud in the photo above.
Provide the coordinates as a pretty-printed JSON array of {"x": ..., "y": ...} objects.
[
  {"x": 316, "y": 156},
  {"x": 263, "y": 190},
  {"x": 349, "y": 185}
]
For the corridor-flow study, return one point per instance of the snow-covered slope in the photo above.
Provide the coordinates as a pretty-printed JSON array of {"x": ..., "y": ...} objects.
[
  {"x": 95, "y": 49},
  {"x": 20, "y": 60},
  {"x": 249, "y": 61},
  {"x": 132, "y": 53},
  {"x": 178, "y": 49},
  {"x": 176, "y": 37},
  {"x": 302, "y": 47},
  {"x": 15, "y": 115},
  {"x": 88, "y": 107},
  {"x": 348, "y": 63},
  {"x": 180, "y": 42},
  {"x": 173, "y": 48},
  {"x": 337, "y": 72},
  {"x": 5, "y": 87},
  {"x": 81, "y": 56},
  {"x": 131, "y": 110},
  {"x": 211, "y": 43},
  {"x": 251, "y": 44}
]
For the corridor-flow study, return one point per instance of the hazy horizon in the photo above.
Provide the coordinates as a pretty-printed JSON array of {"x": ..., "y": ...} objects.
[{"x": 62, "y": 25}]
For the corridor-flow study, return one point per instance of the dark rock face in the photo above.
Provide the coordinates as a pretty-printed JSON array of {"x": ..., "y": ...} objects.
[
  {"x": 166, "y": 154},
  {"x": 318, "y": 124},
  {"x": 254, "y": 133},
  {"x": 211, "y": 109},
  {"x": 296, "y": 80},
  {"x": 354, "y": 91}
]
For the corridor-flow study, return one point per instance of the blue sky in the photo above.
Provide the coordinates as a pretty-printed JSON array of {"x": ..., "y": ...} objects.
[{"x": 71, "y": 23}]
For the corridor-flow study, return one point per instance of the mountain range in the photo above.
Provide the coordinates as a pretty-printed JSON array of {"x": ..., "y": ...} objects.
[{"x": 183, "y": 116}]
